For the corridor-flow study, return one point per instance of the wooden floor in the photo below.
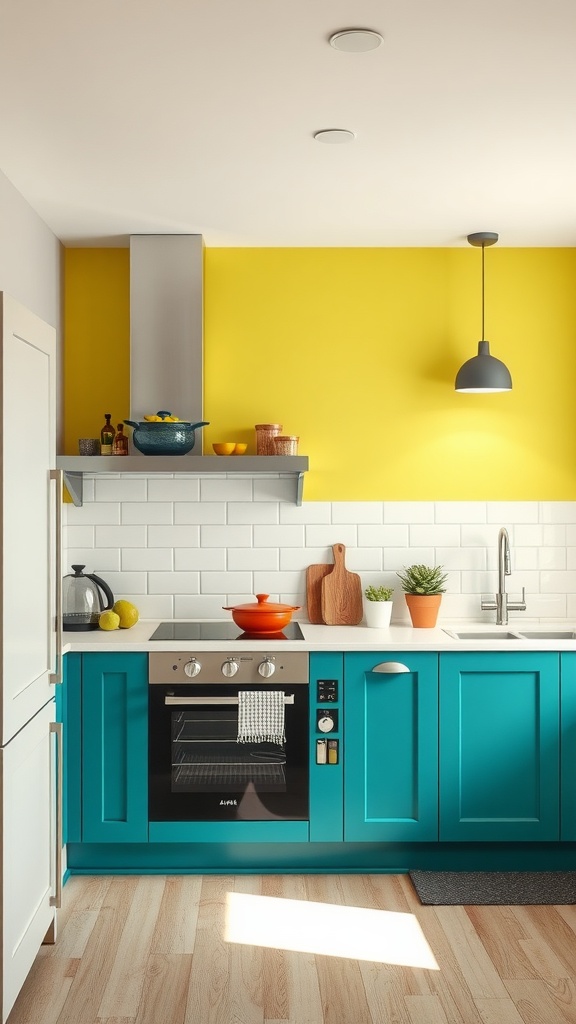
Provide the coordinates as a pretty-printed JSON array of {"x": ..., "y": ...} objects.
[{"x": 156, "y": 950}]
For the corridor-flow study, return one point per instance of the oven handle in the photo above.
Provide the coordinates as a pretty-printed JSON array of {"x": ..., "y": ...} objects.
[{"x": 213, "y": 700}]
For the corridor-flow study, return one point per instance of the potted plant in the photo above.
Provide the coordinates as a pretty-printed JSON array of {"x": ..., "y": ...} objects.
[
  {"x": 423, "y": 586},
  {"x": 378, "y": 606}
]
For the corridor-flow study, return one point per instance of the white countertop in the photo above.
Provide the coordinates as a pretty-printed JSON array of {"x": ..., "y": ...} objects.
[{"x": 337, "y": 638}]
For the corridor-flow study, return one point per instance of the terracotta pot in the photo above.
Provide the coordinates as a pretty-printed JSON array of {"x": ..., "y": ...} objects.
[
  {"x": 423, "y": 609},
  {"x": 263, "y": 616}
]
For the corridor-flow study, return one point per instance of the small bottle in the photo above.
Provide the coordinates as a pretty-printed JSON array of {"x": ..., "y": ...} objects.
[
  {"x": 120, "y": 444},
  {"x": 107, "y": 436}
]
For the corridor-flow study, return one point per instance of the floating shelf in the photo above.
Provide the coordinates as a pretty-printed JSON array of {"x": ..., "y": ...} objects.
[{"x": 74, "y": 467}]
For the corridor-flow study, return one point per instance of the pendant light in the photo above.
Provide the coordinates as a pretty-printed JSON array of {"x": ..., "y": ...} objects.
[{"x": 483, "y": 373}]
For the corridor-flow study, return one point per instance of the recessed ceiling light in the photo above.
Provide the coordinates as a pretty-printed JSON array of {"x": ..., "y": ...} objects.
[
  {"x": 334, "y": 135},
  {"x": 356, "y": 40}
]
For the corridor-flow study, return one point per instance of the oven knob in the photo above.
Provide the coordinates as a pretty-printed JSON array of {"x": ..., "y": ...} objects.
[
  {"x": 326, "y": 723},
  {"x": 192, "y": 667},
  {"x": 266, "y": 668},
  {"x": 230, "y": 667}
]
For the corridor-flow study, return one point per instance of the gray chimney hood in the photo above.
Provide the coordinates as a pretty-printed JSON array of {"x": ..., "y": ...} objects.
[{"x": 166, "y": 366}]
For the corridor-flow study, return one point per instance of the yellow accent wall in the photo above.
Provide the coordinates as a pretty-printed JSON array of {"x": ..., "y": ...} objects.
[{"x": 356, "y": 350}]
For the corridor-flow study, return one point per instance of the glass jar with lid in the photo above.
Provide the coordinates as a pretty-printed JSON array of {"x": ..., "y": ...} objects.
[{"x": 265, "y": 434}]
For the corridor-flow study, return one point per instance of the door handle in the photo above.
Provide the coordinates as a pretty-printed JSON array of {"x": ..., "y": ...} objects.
[
  {"x": 56, "y": 728},
  {"x": 56, "y": 676},
  {"x": 212, "y": 700},
  {"x": 391, "y": 667}
]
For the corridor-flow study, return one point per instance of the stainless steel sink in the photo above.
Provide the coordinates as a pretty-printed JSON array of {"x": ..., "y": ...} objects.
[
  {"x": 483, "y": 634},
  {"x": 548, "y": 634}
]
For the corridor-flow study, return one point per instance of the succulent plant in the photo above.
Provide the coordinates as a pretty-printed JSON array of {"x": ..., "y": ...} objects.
[
  {"x": 423, "y": 579},
  {"x": 379, "y": 593}
]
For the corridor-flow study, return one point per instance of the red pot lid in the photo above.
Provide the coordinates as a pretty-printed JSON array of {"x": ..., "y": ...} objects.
[{"x": 263, "y": 605}]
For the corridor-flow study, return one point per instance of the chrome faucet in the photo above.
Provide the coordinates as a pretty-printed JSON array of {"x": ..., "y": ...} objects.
[{"x": 502, "y": 605}]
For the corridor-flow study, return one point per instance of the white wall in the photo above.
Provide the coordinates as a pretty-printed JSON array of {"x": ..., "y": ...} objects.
[
  {"x": 181, "y": 547},
  {"x": 31, "y": 262}
]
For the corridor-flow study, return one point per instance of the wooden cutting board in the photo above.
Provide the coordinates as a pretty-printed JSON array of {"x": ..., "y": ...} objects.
[
  {"x": 341, "y": 597},
  {"x": 314, "y": 576}
]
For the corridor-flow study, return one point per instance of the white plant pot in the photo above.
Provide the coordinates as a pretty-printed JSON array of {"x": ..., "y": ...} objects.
[{"x": 378, "y": 613}]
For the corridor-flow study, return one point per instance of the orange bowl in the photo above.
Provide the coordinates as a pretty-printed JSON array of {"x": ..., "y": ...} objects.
[
  {"x": 224, "y": 447},
  {"x": 239, "y": 449}
]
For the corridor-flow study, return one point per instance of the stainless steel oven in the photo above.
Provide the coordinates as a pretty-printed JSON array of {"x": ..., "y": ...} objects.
[{"x": 228, "y": 736}]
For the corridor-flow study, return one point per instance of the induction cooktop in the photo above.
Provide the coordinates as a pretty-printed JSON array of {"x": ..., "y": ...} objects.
[{"x": 220, "y": 631}]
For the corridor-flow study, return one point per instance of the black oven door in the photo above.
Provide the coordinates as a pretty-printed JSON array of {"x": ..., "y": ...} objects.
[{"x": 198, "y": 769}]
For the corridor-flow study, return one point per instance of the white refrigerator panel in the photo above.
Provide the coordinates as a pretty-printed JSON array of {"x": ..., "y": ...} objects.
[
  {"x": 28, "y": 842},
  {"x": 28, "y": 515}
]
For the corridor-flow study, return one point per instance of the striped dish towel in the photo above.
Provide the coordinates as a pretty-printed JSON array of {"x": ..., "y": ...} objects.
[{"x": 261, "y": 716}]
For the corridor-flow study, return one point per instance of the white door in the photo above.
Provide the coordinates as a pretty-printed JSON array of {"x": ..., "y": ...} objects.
[
  {"x": 28, "y": 354},
  {"x": 26, "y": 765}
]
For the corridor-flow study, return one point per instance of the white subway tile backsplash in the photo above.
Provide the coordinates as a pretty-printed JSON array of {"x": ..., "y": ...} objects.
[
  {"x": 186, "y": 545},
  {"x": 444, "y": 535},
  {"x": 225, "y": 582},
  {"x": 173, "y": 488},
  {"x": 98, "y": 560},
  {"x": 173, "y": 536},
  {"x": 147, "y": 512},
  {"x": 94, "y": 512},
  {"x": 200, "y": 558},
  {"x": 226, "y": 489},
  {"x": 504, "y": 512},
  {"x": 145, "y": 559},
  {"x": 173, "y": 582},
  {"x": 408, "y": 512},
  {"x": 460, "y": 512},
  {"x": 200, "y": 512},
  {"x": 309, "y": 512},
  {"x": 253, "y": 512},
  {"x": 281, "y": 489},
  {"x": 120, "y": 536},
  {"x": 357, "y": 512},
  {"x": 278, "y": 536},
  {"x": 200, "y": 606},
  {"x": 383, "y": 536},
  {"x": 255, "y": 558},
  {"x": 120, "y": 489},
  {"x": 226, "y": 536}
]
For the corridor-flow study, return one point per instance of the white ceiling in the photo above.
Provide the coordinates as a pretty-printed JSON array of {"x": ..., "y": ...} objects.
[{"x": 120, "y": 117}]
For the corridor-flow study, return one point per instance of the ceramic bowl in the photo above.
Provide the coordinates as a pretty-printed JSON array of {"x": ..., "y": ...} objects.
[
  {"x": 224, "y": 447},
  {"x": 239, "y": 448}
]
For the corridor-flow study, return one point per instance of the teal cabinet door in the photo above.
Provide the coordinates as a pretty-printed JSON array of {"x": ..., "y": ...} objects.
[
  {"x": 390, "y": 747},
  {"x": 115, "y": 748},
  {"x": 499, "y": 746},
  {"x": 568, "y": 746},
  {"x": 69, "y": 712}
]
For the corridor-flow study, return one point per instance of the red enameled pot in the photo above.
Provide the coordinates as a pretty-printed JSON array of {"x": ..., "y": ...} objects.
[{"x": 263, "y": 617}]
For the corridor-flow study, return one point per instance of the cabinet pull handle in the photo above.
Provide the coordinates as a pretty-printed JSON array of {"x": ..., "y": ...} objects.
[
  {"x": 391, "y": 667},
  {"x": 212, "y": 700},
  {"x": 56, "y": 728},
  {"x": 56, "y": 676}
]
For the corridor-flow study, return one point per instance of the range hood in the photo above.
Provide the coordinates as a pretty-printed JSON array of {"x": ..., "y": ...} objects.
[
  {"x": 166, "y": 366},
  {"x": 166, "y": 326}
]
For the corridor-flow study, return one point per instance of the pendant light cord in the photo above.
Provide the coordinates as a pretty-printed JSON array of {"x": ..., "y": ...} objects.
[{"x": 483, "y": 248}]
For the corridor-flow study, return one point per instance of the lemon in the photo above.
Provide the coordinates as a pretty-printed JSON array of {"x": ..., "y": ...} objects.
[
  {"x": 109, "y": 620},
  {"x": 127, "y": 614}
]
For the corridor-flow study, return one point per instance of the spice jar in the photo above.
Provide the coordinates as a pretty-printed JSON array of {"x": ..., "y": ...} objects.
[
  {"x": 265, "y": 434},
  {"x": 285, "y": 444}
]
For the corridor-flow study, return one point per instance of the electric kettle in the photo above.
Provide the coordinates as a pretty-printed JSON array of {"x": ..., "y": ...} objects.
[{"x": 82, "y": 602}]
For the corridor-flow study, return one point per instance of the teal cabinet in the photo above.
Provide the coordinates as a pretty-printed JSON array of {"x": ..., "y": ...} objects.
[
  {"x": 568, "y": 746},
  {"x": 391, "y": 747},
  {"x": 114, "y": 748},
  {"x": 500, "y": 746},
  {"x": 69, "y": 712}
]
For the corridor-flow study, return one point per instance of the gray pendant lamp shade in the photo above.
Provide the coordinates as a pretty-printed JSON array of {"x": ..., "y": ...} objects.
[{"x": 483, "y": 373}]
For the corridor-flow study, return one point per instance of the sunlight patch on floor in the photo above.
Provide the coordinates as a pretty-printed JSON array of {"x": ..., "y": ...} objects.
[{"x": 382, "y": 936}]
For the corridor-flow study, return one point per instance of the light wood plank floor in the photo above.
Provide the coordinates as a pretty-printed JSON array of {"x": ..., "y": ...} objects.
[{"x": 213, "y": 949}]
